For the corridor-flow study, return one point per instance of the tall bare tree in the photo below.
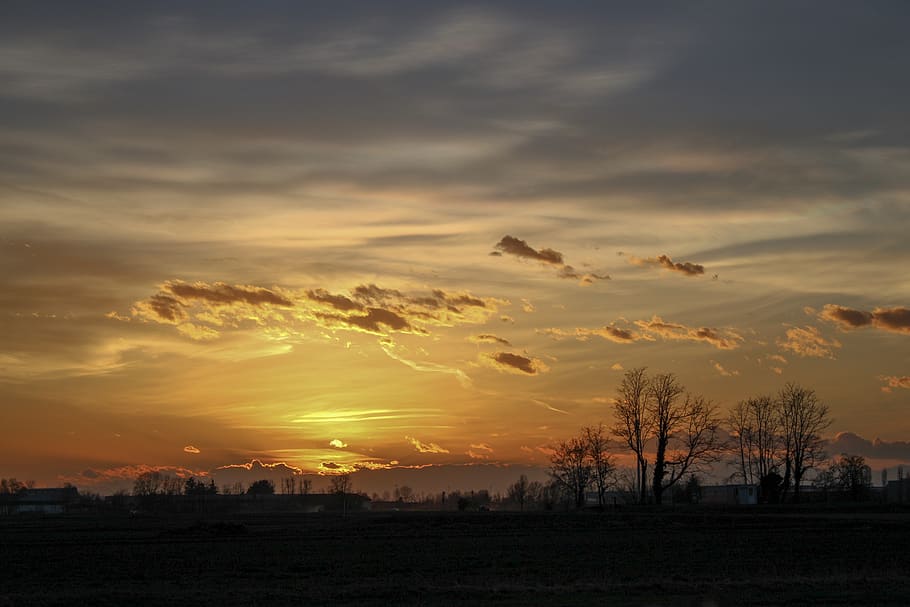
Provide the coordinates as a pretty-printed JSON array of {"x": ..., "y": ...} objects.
[
  {"x": 570, "y": 467},
  {"x": 802, "y": 418},
  {"x": 755, "y": 428},
  {"x": 633, "y": 423},
  {"x": 686, "y": 432},
  {"x": 602, "y": 468},
  {"x": 519, "y": 490},
  {"x": 664, "y": 391},
  {"x": 341, "y": 483}
]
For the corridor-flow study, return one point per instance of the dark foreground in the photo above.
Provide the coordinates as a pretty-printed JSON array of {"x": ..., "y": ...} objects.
[{"x": 747, "y": 557}]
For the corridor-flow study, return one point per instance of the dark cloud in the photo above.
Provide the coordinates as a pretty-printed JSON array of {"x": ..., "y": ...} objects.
[
  {"x": 514, "y": 363},
  {"x": 373, "y": 294},
  {"x": 853, "y": 444},
  {"x": 892, "y": 319},
  {"x": 520, "y": 248},
  {"x": 896, "y": 320},
  {"x": 847, "y": 318},
  {"x": 339, "y": 302},
  {"x": 664, "y": 261},
  {"x": 225, "y": 294},
  {"x": 376, "y": 320},
  {"x": 166, "y": 307}
]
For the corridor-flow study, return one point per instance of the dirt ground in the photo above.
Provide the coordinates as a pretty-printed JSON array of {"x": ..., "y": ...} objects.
[{"x": 692, "y": 557}]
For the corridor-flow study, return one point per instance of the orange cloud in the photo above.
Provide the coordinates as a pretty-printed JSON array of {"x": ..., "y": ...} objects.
[
  {"x": 721, "y": 339},
  {"x": 894, "y": 381},
  {"x": 608, "y": 332},
  {"x": 808, "y": 342},
  {"x": 722, "y": 371},
  {"x": 191, "y": 449}
]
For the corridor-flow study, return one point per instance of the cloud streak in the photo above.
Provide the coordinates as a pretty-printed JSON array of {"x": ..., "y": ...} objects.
[
  {"x": 488, "y": 338},
  {"x": 650, "y": 330},
  {"x": 422, "y": 447}
]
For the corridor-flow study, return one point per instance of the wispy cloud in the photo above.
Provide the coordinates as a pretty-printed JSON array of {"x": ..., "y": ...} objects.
[
  {"x": 191, "y": 449},
  {"x": 391, "y": 350},
  {"x": 721, "y": 370},
  {"x": 649, "y": 330},
  {"x": 608, "y": 332},
  {"x": 549, "y": 407},
  {"x": 422, "y": 447}
]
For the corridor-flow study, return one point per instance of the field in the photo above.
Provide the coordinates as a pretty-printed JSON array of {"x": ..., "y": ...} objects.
[{"x": 684, "y": 557}]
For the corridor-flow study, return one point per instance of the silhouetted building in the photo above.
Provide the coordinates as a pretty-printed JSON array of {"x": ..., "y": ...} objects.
[{"x": 45, "y": 501}]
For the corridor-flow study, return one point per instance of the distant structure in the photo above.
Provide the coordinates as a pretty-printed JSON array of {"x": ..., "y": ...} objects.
[
  {"x": 43, "y": 501},
  {"x": 897, "y": 492},
  {"x": 744, "y": 495}
]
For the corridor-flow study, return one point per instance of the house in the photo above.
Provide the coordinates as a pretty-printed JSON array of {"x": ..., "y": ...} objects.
[
  {"x": 729, "y": 494},
  {"x": 45, "y": 501}
]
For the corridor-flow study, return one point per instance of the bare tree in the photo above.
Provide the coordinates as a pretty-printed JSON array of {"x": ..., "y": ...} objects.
[
  {"x": 851, "y": 475},
  {"x": 341, "y": 483},
  {"x": 686, "y": 433},
  {"x": 755, "y": 428},
  {"x": 664, "y": 391},
  {"x": 802, "y": 418},
  {"x": 633, "y": 423},
  {"x": 404, "y": 494},
  {"x": 570, "y": 468},
  {"x": 518, "y": 491},
  {"x": 602, "y": 468}
]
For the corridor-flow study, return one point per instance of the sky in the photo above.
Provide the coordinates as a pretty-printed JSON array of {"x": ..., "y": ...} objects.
[{"x": 424, "y": 240}]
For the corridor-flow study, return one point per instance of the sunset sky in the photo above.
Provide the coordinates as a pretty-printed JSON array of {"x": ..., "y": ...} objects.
[{"x": 387, "y": 235}]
